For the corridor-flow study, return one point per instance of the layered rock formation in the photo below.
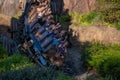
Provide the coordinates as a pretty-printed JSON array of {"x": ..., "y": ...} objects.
[
  {"x": 81, "y": 6},
  {"x": 102, "y": 34},
  {"x": 12, "y": 7}
]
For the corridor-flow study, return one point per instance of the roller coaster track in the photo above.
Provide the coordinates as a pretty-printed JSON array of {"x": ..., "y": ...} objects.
[
  {"x": 9, "y": 44},
  {"x": 33, "y": 45},
  {"x": 25, "y": 42}
]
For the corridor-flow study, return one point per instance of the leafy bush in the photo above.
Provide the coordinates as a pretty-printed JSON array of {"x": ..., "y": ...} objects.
[
  {"x": 106, "y": 62},
  {"x": 14, "y": 62},
  {"x": 18, "y": 67},
  {"x": 105, "y": 59},
  {"x": 29, "y": 73},
  {"x": 111, "y": 15},
  {"x": 110, "y": 11},
  {"x": 90, "y": 18},
  {"x": 16, "y": 16},
  {"x": 64, "y": 18},
  {"x": 34, "y": 73},
  {"x": 117, "y": 25},
  {"x": 90, "y": 48},
  {"x": 62, "y": 76},
  {"x": 85, "y": 19}
]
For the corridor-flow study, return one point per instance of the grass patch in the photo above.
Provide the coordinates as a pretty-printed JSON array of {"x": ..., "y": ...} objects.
[
  {"x": 117, "y": 25},
  {"x": 18, "y": 67},
  {"x": 16, "y": 16},
  {"x": 14, "y": 62},
  {"x": 80, "y": 19},
  {"x": 85, "y": 19}
]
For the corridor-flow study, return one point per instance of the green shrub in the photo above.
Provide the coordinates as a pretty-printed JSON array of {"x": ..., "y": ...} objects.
[
  {"x": 89, "y": 49},
  {"x": 117, "y": 25},
  {"x": 14, "y": 62},
  {"x": 106, "y": 62},
  {"x": 105, "y": 59},
  {"x": 62, "y": 76},
  {"x": 34, "y": 73},
  {"x": 90, "y": 18},
  {"x": 90, "y": 78},
  {"x": 30, "y": 73},
  {"x": 64, "y": 18},
  {"x": 111, "y": 15},
  {"x": 110, "y": 11},
  {"x": 16, "y": 16},
  {"x": 85, "y": 19}
]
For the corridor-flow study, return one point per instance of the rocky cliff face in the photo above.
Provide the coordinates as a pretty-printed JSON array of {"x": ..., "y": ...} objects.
[
  {"x": 102, "y": 34},
  {"x": 11, "y": 7},
  {"x": 81, "y": 6}
]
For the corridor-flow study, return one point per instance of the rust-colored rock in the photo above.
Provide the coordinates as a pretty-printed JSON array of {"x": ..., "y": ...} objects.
[{"x": 81, "y": 6}]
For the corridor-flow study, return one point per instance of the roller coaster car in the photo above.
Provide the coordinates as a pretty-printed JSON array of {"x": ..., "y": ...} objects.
[{"x": 39, "y": 45}]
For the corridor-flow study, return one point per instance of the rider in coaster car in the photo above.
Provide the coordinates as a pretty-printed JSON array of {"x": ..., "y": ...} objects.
[
  {"x": 62, "y": 48},
  {"x": 63, "y": 36},
  {"x": 42, "y": 21},
  {"x": 55, "y": 27},
  {"x": 45, "y": 18},
  {"x": 41, "y": 11},
  {"x": 48, "y": 11},
  {"x": 48, "y": 20},
  {"x": 54, "y": 32}
]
